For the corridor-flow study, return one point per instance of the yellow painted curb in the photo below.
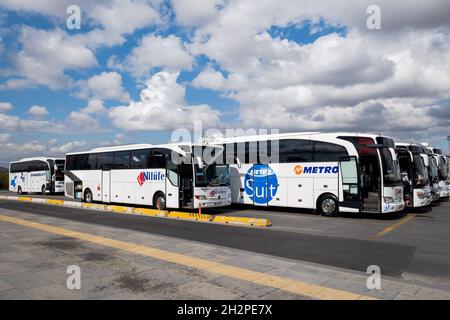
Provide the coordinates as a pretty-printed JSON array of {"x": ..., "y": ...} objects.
[
  {"x": 190, "y": 216},
  {"x": 94, "y": 206},
  {"x": 156, "y": 213},
  {"x": 119, "y": 209},
  {"x": 243, "y": 221},
  {"x": 150, "y": 212},
  {"x": 55, "y": 202},
  {"x": 25, "y": 199}
]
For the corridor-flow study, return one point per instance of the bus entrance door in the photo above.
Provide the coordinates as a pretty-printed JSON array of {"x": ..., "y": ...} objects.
[
  {"x": 106, "y": 186},
  {"x": 186, "y": 186},
  {"x": 172, "y": 186},
  {"x": 348, "y": 169}
]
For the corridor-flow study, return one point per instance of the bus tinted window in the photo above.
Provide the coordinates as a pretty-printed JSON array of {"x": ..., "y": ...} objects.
[
  {"x": 91, "y": 162},
  {"x": 122, "y": 160},
  {"x": 78, "y": 162},
  {"x": 158, "y": 159},
  {"x": 14, "y": 167},
  {"x": 386, "y": 142},
  {"x": 264, "y": 148},
  {"x": 251, "y": 152},
  {"x": 69, "y": 162},
  {"x": 229, "y": 153},
  {"x": 38, "y": 166},
  {"x": 328, "y": 152},
  {"x": 140, "y": 158},
  {"x": 240, "y": 151},
  {"x": 105, "y": 161},
  {"x": 295, "y": 151}
]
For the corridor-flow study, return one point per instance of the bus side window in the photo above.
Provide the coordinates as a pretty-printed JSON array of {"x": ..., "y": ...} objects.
[
  {"x": 328, "y": 152},
  {"x": 251, "y": 152},
  {"x": 229, "y": 153},
  {"x": 172, "y": 173},
  {"x": 121, "y": 160},
  {"x": 158, "y": 159},
  {"x": 240, "y": 151},
  {"x": 105, "y": 161},
  {"x": 139, "y": 159},
  {"x": 295, "y": 150},
  {"x": 264, "y": 150},
  {"x": 91, "y": 162}
]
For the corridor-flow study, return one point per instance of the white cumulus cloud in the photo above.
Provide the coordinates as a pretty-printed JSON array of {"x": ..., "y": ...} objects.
[
  {"x": 156, "y": 51},
  {"x": 5, "y": 106},
  {"x": 38, "y": 111},
  {"x": 107, "y": 85},
  {"x": 162, "y": 106}
]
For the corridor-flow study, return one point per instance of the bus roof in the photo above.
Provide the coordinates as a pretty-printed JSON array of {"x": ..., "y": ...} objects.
[
  {"x": 38, "y": 159},
  {"x": 300, "y": 135},
  {"x": 172, "y": 146}
]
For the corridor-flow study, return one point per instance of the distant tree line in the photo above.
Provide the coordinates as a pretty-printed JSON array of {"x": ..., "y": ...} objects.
[{"x": 4, "y": 177}]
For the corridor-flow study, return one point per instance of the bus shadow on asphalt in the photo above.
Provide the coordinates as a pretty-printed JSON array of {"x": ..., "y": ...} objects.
[{"x": 310, "y": 212}]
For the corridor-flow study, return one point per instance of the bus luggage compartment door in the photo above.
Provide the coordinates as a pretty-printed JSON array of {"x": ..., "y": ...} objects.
[{"x": 106, "y": 186}]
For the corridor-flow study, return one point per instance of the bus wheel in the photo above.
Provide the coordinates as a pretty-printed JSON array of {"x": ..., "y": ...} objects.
[
  {"x": 43, "y": 191},
  {"x": 327, "y": 205},
  {"x": 19, "y": 190},
  {"x": 160, "y": 202},
  {"x": 88, "y": 196}
]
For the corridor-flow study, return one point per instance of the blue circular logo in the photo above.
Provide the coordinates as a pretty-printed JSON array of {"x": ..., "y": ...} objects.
[{"x": 261, "y": 183}]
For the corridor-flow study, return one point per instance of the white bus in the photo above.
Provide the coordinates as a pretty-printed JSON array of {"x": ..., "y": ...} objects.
[
  {"x": 443, "y": 173},
  {"x": 145, "y": 174},
  {"x": 327, "y": 172},
  {"x": 438, "y": 185},
  {"x": 37, "y": 175},
  {"x": 414, "y": 169}
]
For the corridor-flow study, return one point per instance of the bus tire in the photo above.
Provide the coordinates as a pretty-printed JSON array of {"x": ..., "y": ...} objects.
[
  {"x": 159, "y": 201},
  {"x": 19, "y": 190},
  {"x": 43, "y": 191},
  {"x": 328, "y": 205},
  {"x": 88, "y": 196}
]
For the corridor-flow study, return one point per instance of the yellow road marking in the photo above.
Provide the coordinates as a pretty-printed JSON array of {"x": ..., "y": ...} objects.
[
  {"x": 285, "y": 284},
  {"x": 393, "y": 227}
]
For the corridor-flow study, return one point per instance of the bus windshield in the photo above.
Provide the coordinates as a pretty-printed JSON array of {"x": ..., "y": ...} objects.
[
  {"x": 421, "y": 173},
  {"x": 433, "y": 170},
  {"x": 212, "y": 175},
  {"x": 59, "y": 175},
  {"x": 391, "y": 168},
  {"x": 443, "y": 173}
]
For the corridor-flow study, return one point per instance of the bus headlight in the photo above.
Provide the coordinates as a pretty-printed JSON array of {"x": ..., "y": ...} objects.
[
  {"x": 388, "y": 200},
  {"x": 421, "y": 195},
  {"x": 200, "y": 197}
]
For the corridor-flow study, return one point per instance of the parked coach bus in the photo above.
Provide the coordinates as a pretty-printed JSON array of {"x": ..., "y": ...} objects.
[
  {"x": 147, "y": 174},
  {"x": 435, "y": 174},
  {"x": 327, "y": 172},
  {"x": 38, "y": 175},
  {"x": 414, "y": 170},
  {"x": 443, "y": 174}
]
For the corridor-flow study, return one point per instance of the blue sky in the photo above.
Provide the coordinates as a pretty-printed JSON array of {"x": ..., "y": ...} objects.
[{"x": 137, "y": 70}]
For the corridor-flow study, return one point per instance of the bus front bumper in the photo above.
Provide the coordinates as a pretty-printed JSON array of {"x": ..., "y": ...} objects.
[
  {"x": 211, "y": 197},
  {"x": 213, "y": 203},
  {"x": 444, "y": 194},
  {"x": 393, "y": 207},
  {"x": 422, "y": 197}
]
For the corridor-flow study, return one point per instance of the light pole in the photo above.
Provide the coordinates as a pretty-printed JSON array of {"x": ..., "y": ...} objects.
[{"x": 448, "y": 150}]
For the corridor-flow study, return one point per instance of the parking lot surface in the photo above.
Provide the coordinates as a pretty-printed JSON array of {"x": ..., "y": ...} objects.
[{"x": 301, "y": 249}]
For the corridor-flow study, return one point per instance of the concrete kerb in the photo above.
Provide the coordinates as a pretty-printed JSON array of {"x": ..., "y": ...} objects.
[{"x": 242, "y": 221}]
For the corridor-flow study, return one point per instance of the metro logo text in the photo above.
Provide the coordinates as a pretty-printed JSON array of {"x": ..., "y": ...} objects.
[{"x": 316, "y": 169}]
